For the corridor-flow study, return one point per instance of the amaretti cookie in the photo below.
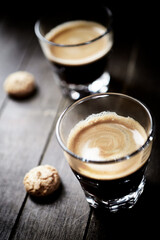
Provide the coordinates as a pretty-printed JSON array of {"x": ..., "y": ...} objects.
[
  {"x": 19, "y": 84},
  {"x": 42, "y": 180}
]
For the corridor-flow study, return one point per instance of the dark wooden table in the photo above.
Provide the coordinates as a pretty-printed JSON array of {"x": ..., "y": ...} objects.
[{"x": 27, "y": 137}]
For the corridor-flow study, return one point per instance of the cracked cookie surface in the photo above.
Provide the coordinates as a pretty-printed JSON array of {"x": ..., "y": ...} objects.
[{"x": 42, "y": 180}]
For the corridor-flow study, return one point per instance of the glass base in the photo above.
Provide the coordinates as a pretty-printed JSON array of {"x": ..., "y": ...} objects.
[
  {"x": 75, "y": 91},
  {"x": 114, "y": 205}
]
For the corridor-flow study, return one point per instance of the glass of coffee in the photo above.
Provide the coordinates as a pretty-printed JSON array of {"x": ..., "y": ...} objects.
[
  {"x": 107, "y": 140},
  {"x": 77, "y": 44}
]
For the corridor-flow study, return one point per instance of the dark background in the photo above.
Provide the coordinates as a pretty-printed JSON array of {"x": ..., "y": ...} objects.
[{"x": 132, "y": 20}]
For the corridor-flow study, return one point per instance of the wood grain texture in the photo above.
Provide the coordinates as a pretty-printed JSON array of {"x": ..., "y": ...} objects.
[
  {"x": 63, "y": 215},
  {"x": 27, "y": 138},
  {"x": 24, "y": 129},
  {"x": 70, "y": 201},
  {"x": 13, "y": 49}
]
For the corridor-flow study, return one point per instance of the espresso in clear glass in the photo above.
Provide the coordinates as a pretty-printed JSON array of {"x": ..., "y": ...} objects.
[
  {"x": 76, "y": 62},
  {"x": 107, "y": 141},
  {"x": 108, "y": 136},
  {"x": 103, "y": 191},
  {"x": 77, "y": 44}
]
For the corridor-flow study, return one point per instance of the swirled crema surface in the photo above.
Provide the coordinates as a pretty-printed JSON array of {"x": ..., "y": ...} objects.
[
  {"x": 107, "y": 136},
  {"x": 77, "y": 32}
]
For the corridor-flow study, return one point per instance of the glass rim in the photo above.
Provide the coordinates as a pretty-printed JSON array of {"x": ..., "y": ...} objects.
[
  {"x": 41, "y": 37},
  {"x": 105, "y": 161}
]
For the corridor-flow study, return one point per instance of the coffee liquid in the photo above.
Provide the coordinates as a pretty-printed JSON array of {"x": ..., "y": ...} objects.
[
  {"x": 78, "y": 64},
  {"x": 108, "y": 136},
  {"x": 111, "y": 189}
]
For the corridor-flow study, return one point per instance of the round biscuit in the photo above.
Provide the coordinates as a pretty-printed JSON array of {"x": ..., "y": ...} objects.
[
  {"x": 42, "y": 180},
  {"x": 19, "y": 84}
]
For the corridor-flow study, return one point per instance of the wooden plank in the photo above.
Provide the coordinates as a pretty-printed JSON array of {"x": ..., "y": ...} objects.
[
  {"x": 21, "y": 137},
  {"x": 142, "y": 82},
  {"x": 63, "y": 215},
  {"x": 24, "y": 129},
  {"x": 14, "y": 41}
]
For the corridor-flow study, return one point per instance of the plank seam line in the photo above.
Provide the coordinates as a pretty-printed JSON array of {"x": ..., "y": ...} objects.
[
  {"x": 88, "y": 223},
  {"x": 13, "y": 231},
  {"x": 3, "y": 105},
  {"x": 29, "y": 49},
  {"x": 51, "y": 131}
]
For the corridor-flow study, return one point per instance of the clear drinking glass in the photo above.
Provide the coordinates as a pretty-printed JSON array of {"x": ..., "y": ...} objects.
[
  {"x": 118, "y": 182},
  {"x": 79, "y": 56}
]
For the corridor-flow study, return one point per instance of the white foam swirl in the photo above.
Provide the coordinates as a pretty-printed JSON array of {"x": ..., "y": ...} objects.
[{"x": 106, "y": 136}]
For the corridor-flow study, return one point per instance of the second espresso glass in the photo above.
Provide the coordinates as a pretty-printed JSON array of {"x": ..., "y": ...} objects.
[
  {"x": 77, "y": 44},
  {"x": 112, "y": 182}
]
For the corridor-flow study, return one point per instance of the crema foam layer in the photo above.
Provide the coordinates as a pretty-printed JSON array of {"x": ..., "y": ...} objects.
[
  {"x": 107, "y": 136},
  {"x": 77, "y": 32}
]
